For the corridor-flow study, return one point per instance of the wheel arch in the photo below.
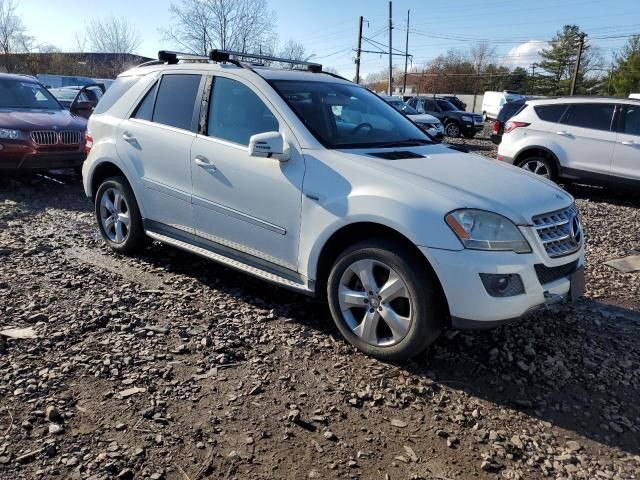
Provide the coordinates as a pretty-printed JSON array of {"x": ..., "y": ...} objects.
[
  {"x": 355, "y": 232},
  {"x": 107, "y": 169}
]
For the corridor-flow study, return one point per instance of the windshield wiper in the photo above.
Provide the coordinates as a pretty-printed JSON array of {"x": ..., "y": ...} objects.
[{"x": 409, "y": 142}]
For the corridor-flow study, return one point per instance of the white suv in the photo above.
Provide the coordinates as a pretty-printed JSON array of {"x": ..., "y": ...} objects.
[
  {"x": 588, "y": 139},
  {"x": 317, "y": 184}
]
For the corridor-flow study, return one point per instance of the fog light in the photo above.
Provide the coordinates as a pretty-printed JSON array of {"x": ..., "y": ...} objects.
[{"x": 502, "y": 285}]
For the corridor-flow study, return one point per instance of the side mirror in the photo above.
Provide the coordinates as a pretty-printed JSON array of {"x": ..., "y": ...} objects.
[{"x": 269, "y": 145}]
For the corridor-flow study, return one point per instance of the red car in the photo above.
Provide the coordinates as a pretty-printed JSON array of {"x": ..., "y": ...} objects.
[{"x": 36, "y": 131}]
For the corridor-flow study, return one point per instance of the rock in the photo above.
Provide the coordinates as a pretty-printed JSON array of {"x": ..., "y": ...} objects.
[
  {"x": 329, "y": 435},
  {"x": 573, "y": 446},
  {"x": 55, "y": 429},
  {"x": 73, "y": 462},
  {"x": 396, "y": 422},
  {"x": 352, "y": 464},
  {"x": 120, "y": 426},
  {"x": 491, "y": 466},
  {"x": 293, "y": 416},
  {"x": 126, "y": 474},
  {"x": 52, "y": 414}
]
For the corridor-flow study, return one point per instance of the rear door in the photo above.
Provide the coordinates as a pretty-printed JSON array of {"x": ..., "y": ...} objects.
[
  {"x": 626, "y": 156},
  {"x": 584, "y": 140},
  {"x": 157, "y": 139}
]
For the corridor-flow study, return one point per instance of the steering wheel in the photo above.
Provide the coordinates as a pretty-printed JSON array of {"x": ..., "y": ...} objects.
[{"x": 357, "y": 128}]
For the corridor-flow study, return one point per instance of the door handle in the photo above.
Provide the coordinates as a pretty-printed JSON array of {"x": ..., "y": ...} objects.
[
  {"x": 128, "y": 137},
  {"x": 203, "y": 162},
  {"x": 564, "y": 134}
]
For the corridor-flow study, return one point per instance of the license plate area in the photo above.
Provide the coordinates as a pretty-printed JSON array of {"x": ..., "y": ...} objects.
[{"x": 577, "y": 282}]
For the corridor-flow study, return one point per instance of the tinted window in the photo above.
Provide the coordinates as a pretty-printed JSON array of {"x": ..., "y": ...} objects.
[
  {"x": 175, "y": 100},
  {"x": 144, "y": 111},
  {"x": 236, "y": 113},
  {"x": 631, "y": 120},
  {"x": 119, "y": 88},
  {"x": 596, "y": 116},
  {"x": 446, "y": 106},
  {"x": 509, "y": 110},
  {"x": 430, "y": 106},
  {"x": 550, "y": 113}
]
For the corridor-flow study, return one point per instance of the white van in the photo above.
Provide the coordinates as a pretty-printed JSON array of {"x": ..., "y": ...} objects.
[
  {"x": 492, "y": 102},
  {"x": 635, "y": 95}
]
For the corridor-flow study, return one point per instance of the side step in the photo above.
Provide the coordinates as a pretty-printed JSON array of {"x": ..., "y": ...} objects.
[{"x": 301, "y": 286}]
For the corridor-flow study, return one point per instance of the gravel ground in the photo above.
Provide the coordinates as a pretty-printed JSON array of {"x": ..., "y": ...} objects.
[{"x": 166, "y": 366}]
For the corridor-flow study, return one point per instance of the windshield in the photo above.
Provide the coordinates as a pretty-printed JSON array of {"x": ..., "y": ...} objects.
[
  {"x": 403, "y": 107},
  {"x": 348, "y": 116},
  {"x": 446, "y": 106},
  {"x": 27, "y": 95}
]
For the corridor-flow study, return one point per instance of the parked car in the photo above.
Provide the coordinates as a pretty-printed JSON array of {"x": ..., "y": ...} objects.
[
  {"x": 36, "y": 132},
  {"x": 82, "y": 98},
  {"x": 456, "y": 122},
  {"x": 586, "y": 139},
  {"x": 460, "y": 105},
  {"x": 492, "y": 102},
  {"x": 316, "y": 184},
  {"x": 428, "y": 123},
  {"x": 635, "y": 95},
  {"x": 507, "y": 111}
]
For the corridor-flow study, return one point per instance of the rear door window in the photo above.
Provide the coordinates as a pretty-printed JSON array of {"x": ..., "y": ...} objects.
[
  {"x": 596, "y": 116},
  {"x": 176, "y": 100},
  {"x": 550, "y": 113}
]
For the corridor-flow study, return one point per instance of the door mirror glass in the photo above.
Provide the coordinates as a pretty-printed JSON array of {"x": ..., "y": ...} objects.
[{"x": 269, "y": 145}]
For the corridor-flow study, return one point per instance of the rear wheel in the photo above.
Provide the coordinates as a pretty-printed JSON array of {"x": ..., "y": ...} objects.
[
  {"x": 118, "y": 216},
  {"x": 383, "y": 300},
  {"x": 452, "y": 130},
  {"x": 538, "y": 165}
]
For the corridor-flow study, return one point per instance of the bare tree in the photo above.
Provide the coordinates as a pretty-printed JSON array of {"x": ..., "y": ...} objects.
[
  {"x": 294, "y": 51},
  {"x": 13, "y": 33},
  {"x": 240, "y": 25},
  {"x": 112, "y": 35}
]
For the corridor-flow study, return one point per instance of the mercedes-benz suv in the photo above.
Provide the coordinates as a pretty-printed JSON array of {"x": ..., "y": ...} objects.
[{"x": 312, "y": 182}]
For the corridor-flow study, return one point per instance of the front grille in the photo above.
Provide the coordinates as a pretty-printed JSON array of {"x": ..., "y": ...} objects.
[
  {"x": 551, "y": 274},
  {"x": 44, "y": 137},
  {"x": 560, "y": 232},
  {"x": 70, "y": 137},
  {"x": 49, "y": 137}
]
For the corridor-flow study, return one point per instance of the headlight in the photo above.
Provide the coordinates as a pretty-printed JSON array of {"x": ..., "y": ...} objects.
[
  {"x": 467, "y": 118},
  {"x": 480, "y": 230},
  {"x": 9, "y": 134}
]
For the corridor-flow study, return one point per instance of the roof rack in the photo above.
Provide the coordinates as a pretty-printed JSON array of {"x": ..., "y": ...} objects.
[{"x": 225, "y": 56}]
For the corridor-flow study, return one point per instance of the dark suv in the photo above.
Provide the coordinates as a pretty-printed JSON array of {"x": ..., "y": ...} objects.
[
  {"x": 36, "y": 132},
  {"x": 454, "y": 100},
  {"x": 456, "y": 122}
]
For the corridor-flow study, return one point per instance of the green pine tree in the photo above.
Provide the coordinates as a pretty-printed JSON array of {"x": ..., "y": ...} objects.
[{"x": 625, "y": 76}]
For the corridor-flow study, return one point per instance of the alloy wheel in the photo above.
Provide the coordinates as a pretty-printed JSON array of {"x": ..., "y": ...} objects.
[
  {"x": 453, "y": 130},
  {"x": 538, "y": 167},
  {"x": 114, "y": 215},
  {"x": 375, "y": 302}
]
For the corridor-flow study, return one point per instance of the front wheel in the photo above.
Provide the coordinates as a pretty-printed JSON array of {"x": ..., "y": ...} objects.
[
  {"x": 383, "y": 300},
  {"x": 452, "y": 130},
  {"x": 118, "y": 216}
]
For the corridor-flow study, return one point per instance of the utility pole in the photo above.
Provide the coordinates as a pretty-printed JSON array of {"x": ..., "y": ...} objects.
[
  {"x": 406, "y": 56},
  {"x": 574, "y": 80},
  {"x": 358, "y": 52},
  {"x": 390, "y": 50},
  {"x": 533, "y": 76}
]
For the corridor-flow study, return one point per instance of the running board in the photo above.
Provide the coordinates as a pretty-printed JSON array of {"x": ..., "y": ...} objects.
[{"x": 302, "y": 287}]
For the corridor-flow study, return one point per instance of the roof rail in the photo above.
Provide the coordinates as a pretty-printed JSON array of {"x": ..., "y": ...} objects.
[
  {"x": 173, "y": 57},
  {"x": 225, "y": 56}
]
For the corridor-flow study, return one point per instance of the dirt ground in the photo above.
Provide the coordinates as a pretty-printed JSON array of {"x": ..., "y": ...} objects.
[{"x": 166, "y": 366}]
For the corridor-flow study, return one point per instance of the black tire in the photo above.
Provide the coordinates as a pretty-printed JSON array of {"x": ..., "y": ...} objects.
[
  {"x": 452, "y": 129},
  {"x": 469, "y": 134},
  {"x": 426, "y": 316},
  {"x": 135, "y": 238},
  {"x": 529, "y": 162}
]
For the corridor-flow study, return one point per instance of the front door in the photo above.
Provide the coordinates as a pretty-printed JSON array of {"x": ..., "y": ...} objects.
[
  {"x": 251, "y": 205},
  {"x": 626, "y": 156}
]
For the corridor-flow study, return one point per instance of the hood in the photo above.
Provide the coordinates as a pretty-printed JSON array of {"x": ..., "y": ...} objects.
[
  {"x": 30, "y": 120},
  {"x": 471, "y": 181},
  {"x": 423, "y": 118}
]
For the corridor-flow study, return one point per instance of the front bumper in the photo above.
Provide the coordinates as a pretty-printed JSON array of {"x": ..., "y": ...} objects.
[
  {"x": 471, "y": 306},
  {"x": 24, "y": 156}
]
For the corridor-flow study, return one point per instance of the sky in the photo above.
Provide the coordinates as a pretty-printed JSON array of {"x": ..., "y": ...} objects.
[{"x": 328, "y": 28}]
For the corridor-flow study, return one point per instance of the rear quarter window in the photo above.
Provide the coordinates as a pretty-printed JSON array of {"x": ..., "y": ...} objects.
[
  {"x": 115, "y": 91},
  {"x": 550, "y": 113}
]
